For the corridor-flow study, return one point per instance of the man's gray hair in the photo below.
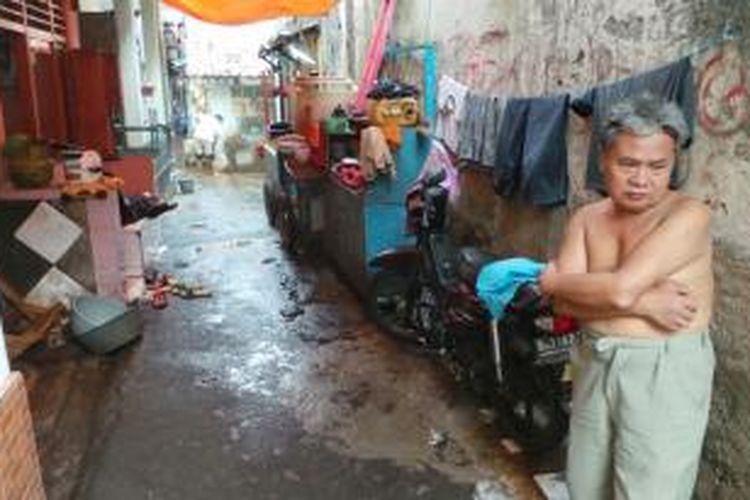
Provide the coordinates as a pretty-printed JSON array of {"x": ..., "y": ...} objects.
[{"x": 646, "y": 114}]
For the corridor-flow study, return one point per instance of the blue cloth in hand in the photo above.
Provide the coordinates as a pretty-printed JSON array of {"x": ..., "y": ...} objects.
[{"x": 499, "y": 281}]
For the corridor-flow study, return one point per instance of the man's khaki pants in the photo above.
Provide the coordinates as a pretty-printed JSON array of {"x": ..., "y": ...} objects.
[{"x": 640, "y": 409}]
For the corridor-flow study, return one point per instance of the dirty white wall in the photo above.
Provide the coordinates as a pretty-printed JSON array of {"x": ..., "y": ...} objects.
[
  {"x": 130, "y": 58},
  {"x": 154, "y": 67},
  {"x": 535, "y": 47},
  {"x": 219, "y": 101},
  {"x": 215, "y": 96},
  {"x": 95, "y": 5}
]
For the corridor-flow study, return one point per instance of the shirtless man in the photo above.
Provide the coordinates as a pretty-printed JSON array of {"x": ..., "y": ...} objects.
[{"x": 635, "y": 269}]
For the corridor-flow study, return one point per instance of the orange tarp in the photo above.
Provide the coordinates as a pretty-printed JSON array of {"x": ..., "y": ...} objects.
[{"x": 245, "y": 11}]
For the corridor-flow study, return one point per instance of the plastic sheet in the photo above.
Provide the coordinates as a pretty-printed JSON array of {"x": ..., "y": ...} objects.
[{"x": 246, "y": 11}]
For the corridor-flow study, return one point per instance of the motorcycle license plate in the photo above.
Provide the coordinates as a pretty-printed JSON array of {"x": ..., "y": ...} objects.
[{"x": 553, "y": 349}]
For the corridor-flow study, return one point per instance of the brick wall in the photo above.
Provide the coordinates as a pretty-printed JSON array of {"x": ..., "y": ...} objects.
[{"x": 20, "y": 476}]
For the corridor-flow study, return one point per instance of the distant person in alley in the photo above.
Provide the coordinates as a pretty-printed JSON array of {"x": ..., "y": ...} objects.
[{"x": 635, "y": 269}]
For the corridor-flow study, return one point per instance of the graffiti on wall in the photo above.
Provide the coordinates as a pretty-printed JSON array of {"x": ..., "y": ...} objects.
[
  {"x": 488, "y": 61},
  {"x": 480, "y": 64},
  {"x": 723, "y": 94}
]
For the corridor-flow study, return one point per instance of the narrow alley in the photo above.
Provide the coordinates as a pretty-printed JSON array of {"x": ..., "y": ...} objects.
[
  {"x": 374, "y": 249},
  {"x": 275, "y": 387}
]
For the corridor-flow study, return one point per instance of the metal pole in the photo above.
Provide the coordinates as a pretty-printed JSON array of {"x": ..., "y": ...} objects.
[{"x": 496, "y": 350}]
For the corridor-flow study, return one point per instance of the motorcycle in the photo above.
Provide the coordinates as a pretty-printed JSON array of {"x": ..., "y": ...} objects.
[{"x": 425, "y": 294}]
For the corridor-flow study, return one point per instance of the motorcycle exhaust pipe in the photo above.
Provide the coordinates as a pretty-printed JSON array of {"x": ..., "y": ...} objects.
[{"x": 496, "y": 350}]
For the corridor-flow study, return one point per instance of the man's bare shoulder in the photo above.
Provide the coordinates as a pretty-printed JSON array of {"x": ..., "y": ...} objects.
[
  {"x": 687, "y": 210},
  {"x": 592, "y": 211}
]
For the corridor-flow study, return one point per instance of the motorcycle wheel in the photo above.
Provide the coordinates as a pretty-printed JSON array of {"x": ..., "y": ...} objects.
[
  {"x": 389, "y": 304},
  {"x": 286, "y": 224},
  {"x": 427, "y": 316},
  {"x": 539, "y": 420},
  {"x": 269, "y": 206}
]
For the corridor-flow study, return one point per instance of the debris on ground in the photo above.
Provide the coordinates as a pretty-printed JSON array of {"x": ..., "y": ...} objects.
[
  {"x": 487, "y": 415},
  {"x": 292, "y": 311},
  {"x": 186, "y": 291},
  {"x": 437, "y": 439},
  {"x": 491, "y": 490},
  {"x": 553, "y": 485},
  {"x": 42, "y": 323},
  {"x": 213, "y": 319},
  {"x": 322, "y": 338},
  {"x": 160, "y": 285},
  {"x": 510, "y": 446}
]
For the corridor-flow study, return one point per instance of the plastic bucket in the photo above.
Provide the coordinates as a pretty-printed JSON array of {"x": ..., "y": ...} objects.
[{"x": 103, "y": 325}]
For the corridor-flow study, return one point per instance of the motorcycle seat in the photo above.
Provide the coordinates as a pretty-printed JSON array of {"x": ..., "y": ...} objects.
[{"x": 471, "y": 260}]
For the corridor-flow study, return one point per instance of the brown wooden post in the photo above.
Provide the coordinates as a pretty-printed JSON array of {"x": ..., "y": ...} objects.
[{"x": 72, "y": 25}]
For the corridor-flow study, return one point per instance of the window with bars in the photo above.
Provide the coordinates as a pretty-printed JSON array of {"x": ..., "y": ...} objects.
[{"x": 41, "y": 19}]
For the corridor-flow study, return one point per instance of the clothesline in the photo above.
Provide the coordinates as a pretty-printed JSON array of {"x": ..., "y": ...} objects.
[
  {"x": 727, "y": 35},
  {"x": 523, "y": 139}
]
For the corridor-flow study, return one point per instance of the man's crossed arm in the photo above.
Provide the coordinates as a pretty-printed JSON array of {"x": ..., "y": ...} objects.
[{"x": 640, "y": 286}]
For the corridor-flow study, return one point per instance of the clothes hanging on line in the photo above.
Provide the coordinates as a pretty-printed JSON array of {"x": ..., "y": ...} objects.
[
  {"x": 673, "y": 82},
  {"x": 493, "y": 118},
  {"x": 451, "y": 97},
  {"x": 532, "y": 154},
  {"x": 478, "y": 128},
  {"x": 471, "y": 127},
  {"x": 439, "y": 160},
  {"x": 374, "y": 155}
]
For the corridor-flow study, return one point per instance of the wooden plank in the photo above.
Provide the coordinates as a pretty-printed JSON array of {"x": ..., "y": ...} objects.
[
  {"x": 17, "y": 344},
  {"x": 29, "y": 311}
]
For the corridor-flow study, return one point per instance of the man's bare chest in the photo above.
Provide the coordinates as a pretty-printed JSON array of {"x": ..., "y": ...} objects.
[{"x": 609, "y": 243}]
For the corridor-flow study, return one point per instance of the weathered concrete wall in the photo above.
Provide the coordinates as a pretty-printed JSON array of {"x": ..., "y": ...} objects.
[{"x": 537, "y": 47}]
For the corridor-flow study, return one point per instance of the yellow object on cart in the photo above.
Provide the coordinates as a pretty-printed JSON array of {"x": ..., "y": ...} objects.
[{"x": 97, "y": 188}]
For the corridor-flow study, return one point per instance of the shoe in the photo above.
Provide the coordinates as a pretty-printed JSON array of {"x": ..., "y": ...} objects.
[{"x": 159, "y": 209}]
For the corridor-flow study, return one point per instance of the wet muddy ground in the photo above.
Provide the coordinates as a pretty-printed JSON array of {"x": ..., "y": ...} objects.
[{"x": 275, "y": 387}]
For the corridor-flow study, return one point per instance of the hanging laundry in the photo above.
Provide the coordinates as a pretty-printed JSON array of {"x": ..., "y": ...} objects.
[
  {"x": 509, "y": 142},
  {"x": 439, "y": 160},
  {"x": 374, "y": 155},
  {"x": 392, "y": 134},
  {"x": 544, "y": 172},
  {"x": 471, "y": 127},
  {"x": 479, "y": 125},
  {"x": 673, "y": 82},
  {"x": 493, "y": 118},
  {"x": 451, "y": 97},
  {"x": 532, "y": 155}
]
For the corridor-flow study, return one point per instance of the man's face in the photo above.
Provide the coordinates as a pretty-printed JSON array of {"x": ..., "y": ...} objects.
[{"x": 637, "y": 170}]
